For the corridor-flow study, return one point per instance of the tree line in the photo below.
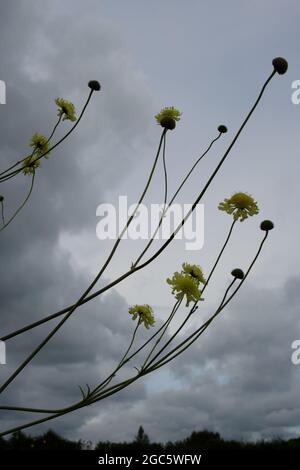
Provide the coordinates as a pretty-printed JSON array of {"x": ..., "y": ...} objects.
[{"x": 201, "y": 440}]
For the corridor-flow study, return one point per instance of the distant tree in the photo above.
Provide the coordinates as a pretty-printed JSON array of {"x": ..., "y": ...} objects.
[
  {"x": 142, "y": 438},
  {"x": 48, "y": 440},
  {"x": 3, "y": 444},
  {"x": 19, "y": 441}
]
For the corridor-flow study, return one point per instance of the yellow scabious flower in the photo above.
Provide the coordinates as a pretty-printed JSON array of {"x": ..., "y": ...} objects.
[
  {"x": 194, "y": 271},
  {"x": 30, "y": 164},
  {"x": 186, "y": 283},
  {"x": 170, "y": 113},
  {"x": 40, "y": 144},
  {"x": 240, "y": 205},
  {"x": 66, "y": 109},
  {"x": 144, "y": 313}
]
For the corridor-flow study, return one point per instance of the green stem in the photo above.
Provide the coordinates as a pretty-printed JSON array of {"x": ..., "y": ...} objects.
[
  {"x": 90, "y": 287},
  {"x": 16, "y": 164},
  {"x": 163, "y": 361},
  {"x": 112, "y": 390},
  {"x": 194, "y": 307},
  {"x": 163, "y": 247},
  {"x": 223, "y": 304},
  {"x": 165, "y": 174},
  {"x": 67, "y": 410},
  {"x": 174, "y": 310},
  {"x": 173, "y": 198},
  {"x": 2, "y": 213},
  {"x": 57, "y": 143},
  {"x": 119, "y": 366},
  {"x": 21, "y": 206},
  {"x": 39, "y": 410}
]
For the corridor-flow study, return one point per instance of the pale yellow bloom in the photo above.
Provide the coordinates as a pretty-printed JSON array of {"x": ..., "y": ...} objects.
[
  {"x": 144, "y": 313},
  {"x": 30, "y": 164},
  {"x": 184, "y": 285},
  {"x": 240, "y": 205},
  {"x": 66, "y": 109},
  {"x": 194, "y": 271},
  {"x": 40, "y": 144},
  {"x": 170, "y": 112}
]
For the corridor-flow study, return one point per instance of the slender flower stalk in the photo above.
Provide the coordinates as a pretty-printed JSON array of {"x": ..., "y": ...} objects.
[
  {"x": 193, "y": 309},
  {"x": 179, "y": 349},
  {"x": 194, "y": 336},
  {"x": 172, "y": 236},
  {"x": 21, "y": 206},
  {"x": 167, "y": 358},
  {"x": 6, "y": 174},
  {"x": 165, "y": 176},
  {"x": 90, "y": 287},
  {"x": 21, "y": 161},
  {"x": 174, "y": 310},
  {"x": 174, "y": 197},
  {"x": 195, "y": 305},
  {"x": 2, "y": 210},
  {"x": 185, "y": 285},
  {"x": 106, "y": 382},
  {"x": 123, "y": 361}
]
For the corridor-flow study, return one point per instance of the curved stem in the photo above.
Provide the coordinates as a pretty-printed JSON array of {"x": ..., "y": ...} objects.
[
  {"x": 112, "y": 390},
  {"x": 163, "y": 360},
  {"x": 219, "y": 256},
  {"x": 54, "y": 128},
  {"x": 165, "y": 174},
  {"x": 125, "y": 360},
  {"x": 54, "y": 414},
  {"x": 60, "y": 141},
  {"x": 164, "y": 246},
  {"x": 174, "y": 310},
  {"x": 11, "y": 175},
  {"x": 223, "y": 304},
  {"x": 21, "y": 206},
  {"x": 173, "y": 198},
  {"x": 90, "y": 287},
  {"x": 67, "y": 410},
  {"x": 2, "y": 213},
  {"x": 121, "y": 363},
  {"x": 194, "y": 307}
]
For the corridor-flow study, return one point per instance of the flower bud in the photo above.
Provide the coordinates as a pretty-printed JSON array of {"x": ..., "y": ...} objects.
[
  {"x": 94, "y": 85},
  {"x": 266, "y": 225},
  {"x": 1, "y": 198},
  {"x": 222, "y": 129},
  {"x": 168, "y": 123},
  {"x": 280, "y": 65},
  {"x": 237, "y": 273}
]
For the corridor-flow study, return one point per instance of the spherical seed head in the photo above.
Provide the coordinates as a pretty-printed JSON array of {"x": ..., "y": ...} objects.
[
  {"x": 222, "y": 129},
  {"x": 168, "y": 123},
  {"x": 280, "y": 65},
  {"x": 94, "y": 85},
  {"x": 1, "y": 198},
  {"x": 266, "y": 225},
  {"x": 238, "y": 273}
]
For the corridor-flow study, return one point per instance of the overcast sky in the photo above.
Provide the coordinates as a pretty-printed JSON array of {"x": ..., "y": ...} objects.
[{"x": 209, "y": 59}]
